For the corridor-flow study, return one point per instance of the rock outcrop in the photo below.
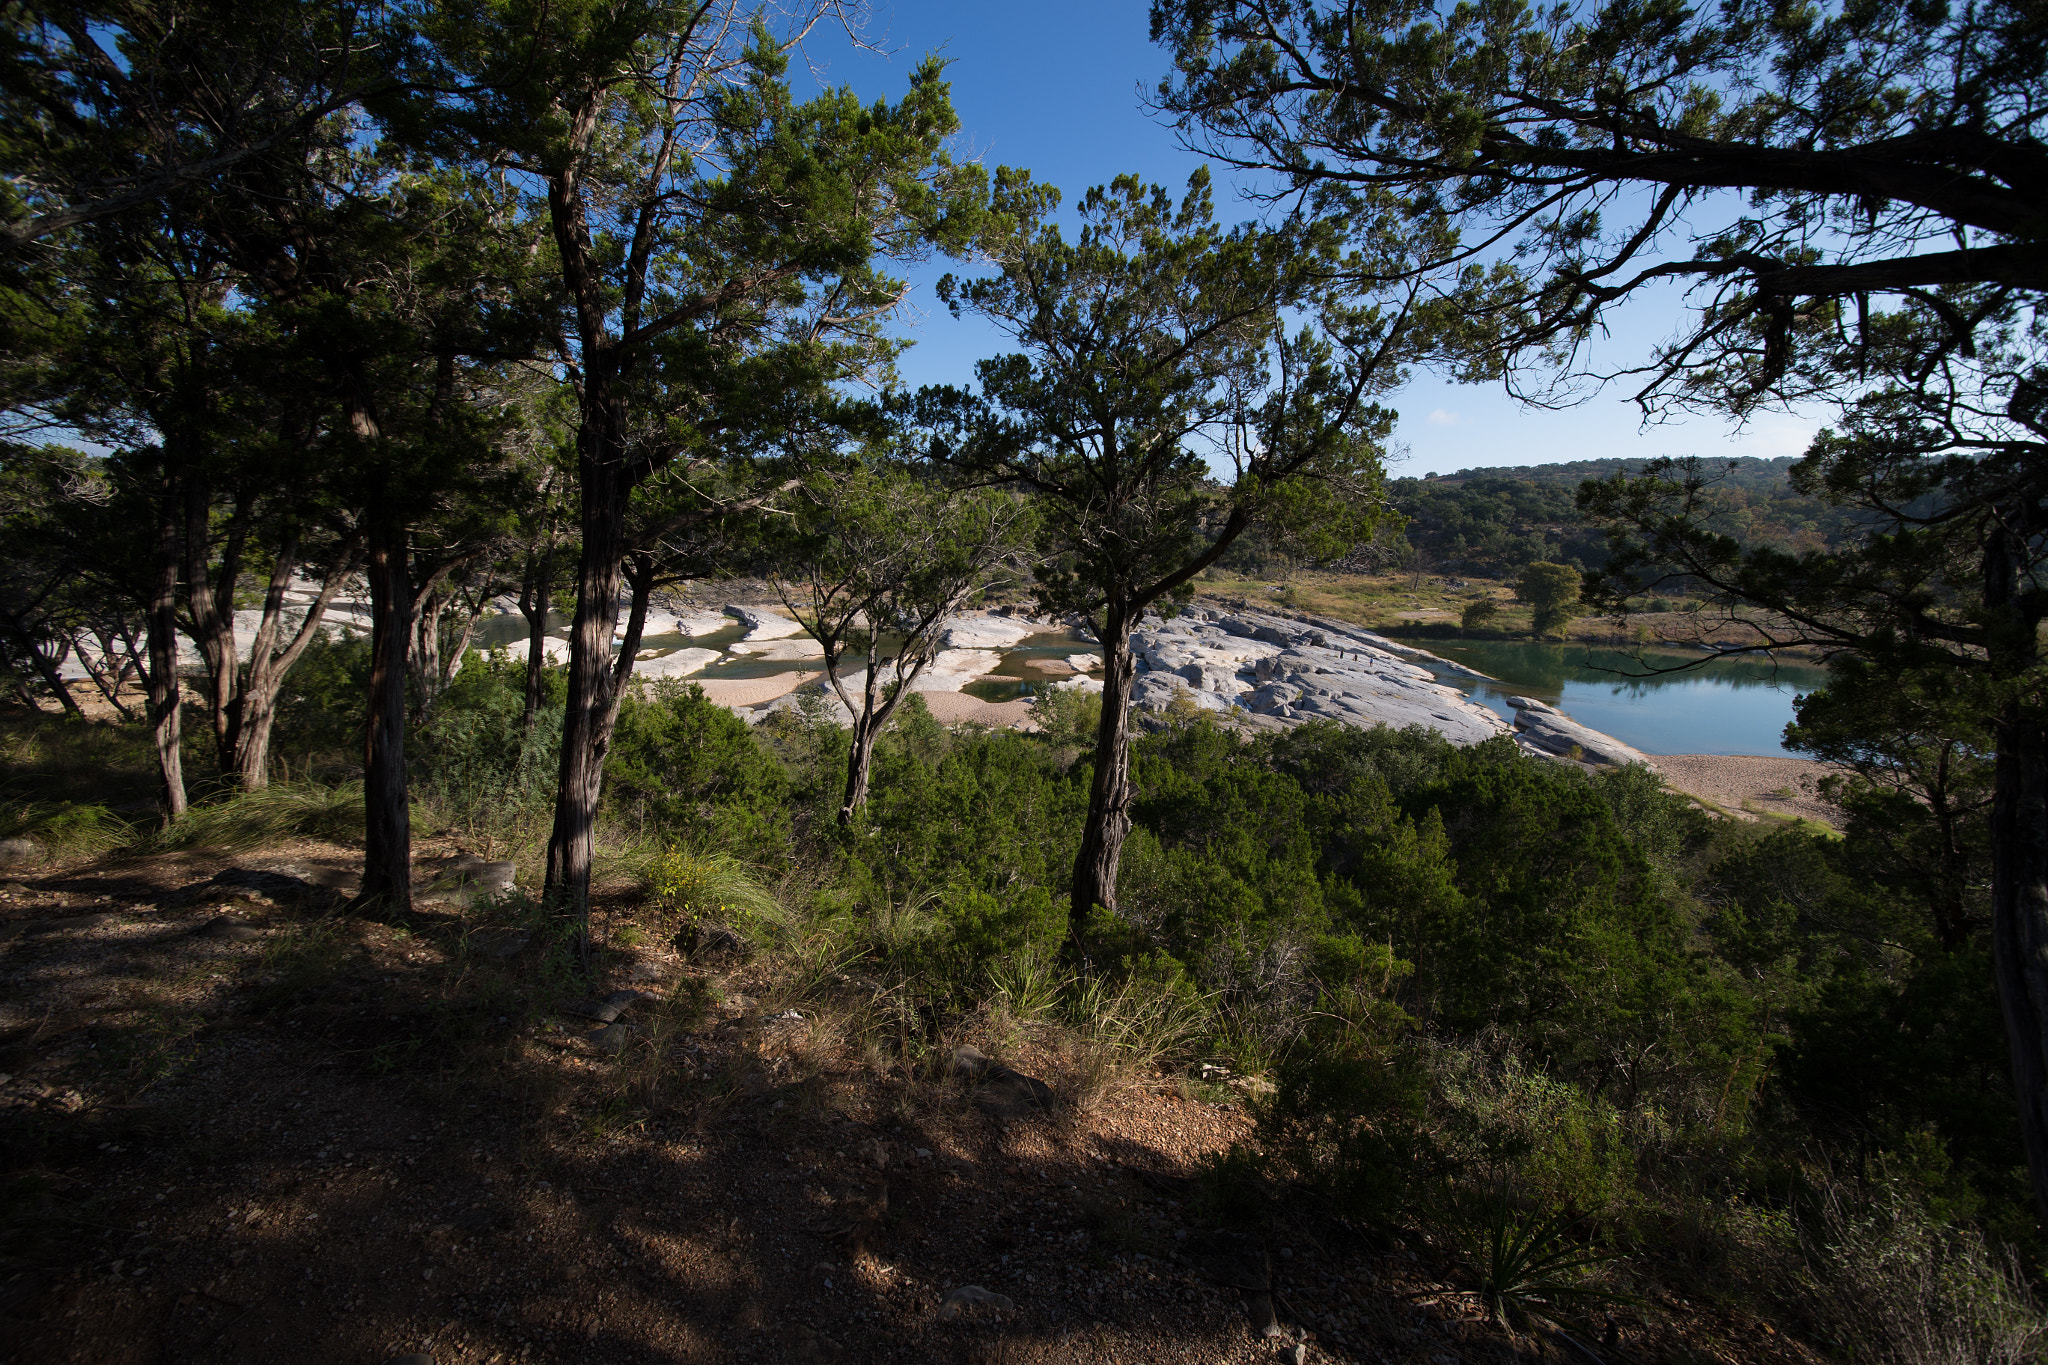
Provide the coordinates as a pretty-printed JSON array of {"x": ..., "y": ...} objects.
[
  {"x": 763, "y": 624},
  {"x": 1281, "y": 673},
  {"x": 1550, "y": 731}
]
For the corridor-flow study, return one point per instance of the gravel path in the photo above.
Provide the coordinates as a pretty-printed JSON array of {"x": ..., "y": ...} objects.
[{"x": 1751, "y": 785}]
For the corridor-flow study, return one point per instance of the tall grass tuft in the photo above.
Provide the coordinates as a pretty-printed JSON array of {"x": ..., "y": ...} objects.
[
  {"x": 249, "y": 819},
  {"x": 699, "y": 885},
  {"x": 66, "y": 829}
]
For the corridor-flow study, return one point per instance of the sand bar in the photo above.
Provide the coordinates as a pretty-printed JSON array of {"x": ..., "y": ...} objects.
[
  {"x": 1759, "y": 781},
  {"x": 752, "y": 691}
]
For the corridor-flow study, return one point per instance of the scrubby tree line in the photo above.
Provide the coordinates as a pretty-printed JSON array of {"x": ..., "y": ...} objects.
[
  {"x": 577, "y": 288},
  {"x": 481, "y": 300}
]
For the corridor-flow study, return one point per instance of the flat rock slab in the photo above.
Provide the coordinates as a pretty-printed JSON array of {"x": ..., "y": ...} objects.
[
  {"x": 234, "y": 882},
  {"x": 1001, "y": 1091},
  {"x": 612, "y": 1038},
  {"x": 499, "y": 943},
  {"x": 230, "y": 930},
  {"x": 609, "y": 1007},
  {"x": 763, "y": 624}
]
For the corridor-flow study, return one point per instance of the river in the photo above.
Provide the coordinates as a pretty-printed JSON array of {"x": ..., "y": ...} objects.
[{"x": 1719, "y": 706}]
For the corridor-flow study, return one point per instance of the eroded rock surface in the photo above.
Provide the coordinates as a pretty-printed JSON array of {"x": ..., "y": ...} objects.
[{"x": 1283, "y": 673}]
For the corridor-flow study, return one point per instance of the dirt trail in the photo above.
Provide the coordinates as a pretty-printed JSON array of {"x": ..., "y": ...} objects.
[{"x": 239, "y": 1126}]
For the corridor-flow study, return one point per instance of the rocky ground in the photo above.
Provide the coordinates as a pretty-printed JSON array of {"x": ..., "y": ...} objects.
[{"x": 240, "y": 1125}]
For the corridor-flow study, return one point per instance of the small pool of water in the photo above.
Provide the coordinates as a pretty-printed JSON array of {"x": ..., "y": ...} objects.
[{"x": 1719, "y": 706}]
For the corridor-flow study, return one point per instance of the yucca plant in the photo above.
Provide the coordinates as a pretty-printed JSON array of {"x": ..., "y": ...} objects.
[{"x": 1528, "y": 1265}]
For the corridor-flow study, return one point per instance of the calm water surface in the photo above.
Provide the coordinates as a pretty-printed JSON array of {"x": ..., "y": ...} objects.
[{"x": 1732, "y": 706}]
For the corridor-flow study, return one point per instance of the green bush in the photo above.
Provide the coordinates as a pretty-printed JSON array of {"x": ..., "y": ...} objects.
[{"x": 685, "y": 768}]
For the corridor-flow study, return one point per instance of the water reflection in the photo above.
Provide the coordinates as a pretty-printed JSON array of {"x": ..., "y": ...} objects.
[{"x": 1718, "y": 706}]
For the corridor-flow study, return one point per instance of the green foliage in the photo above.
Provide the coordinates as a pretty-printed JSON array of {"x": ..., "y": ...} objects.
[
  {"x": 713, "y": 887},
  {"x": 65, "y": 829},
  {"x": 1526, "y": 1262},
  {"x": 482, "y": 769},
  {"x": 1553, "y": 590},
  {"x": 250, "y": 819},
  {"x": 1499, "y": 521},
  {"x": 689, "y": 768},
  {"x": 1068, "y": 718},
  {"x": 1478, "y": 614}
]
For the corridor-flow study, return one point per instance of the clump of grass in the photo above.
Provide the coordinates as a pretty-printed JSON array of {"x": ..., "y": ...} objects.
[
  {"x": 1125, "y": 1028},
  {"x": 66, "y": 829},
  {"x": 1527, "y": 1263},
  {"x": 250, "y": 819},
  {"x": 699, "y": 886}
]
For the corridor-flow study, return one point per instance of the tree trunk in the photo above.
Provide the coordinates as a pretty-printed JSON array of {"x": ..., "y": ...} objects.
[
  {"x": 49, "y": 666},
  {"x": 213, "y": 609},
  {"x": 451, "y": 659},
  {"x": 2019, "y": 924},
  {"x": 162, "y": 635},
  {"x": 534, "y": 589},
  {"x": 871, "y": 719},
  {"x": 1109, "y": 794},
  {"x": 107, "y": 674},
  {"x": 585, "y": 724},
  {"x": 426, "y": 656},
  {"x": 256, "y": 703},
  {"x": 387, "y": 821}
]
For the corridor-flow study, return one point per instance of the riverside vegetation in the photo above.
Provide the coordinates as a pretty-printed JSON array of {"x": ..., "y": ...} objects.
[{"x": 1592, "y": 1048}]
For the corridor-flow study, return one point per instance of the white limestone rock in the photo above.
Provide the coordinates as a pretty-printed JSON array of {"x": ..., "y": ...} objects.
[
  {"x": 785, "y": 650},
  {"x": 700, "y": 622},
  {"x": 1550, "y": 731},
  {"x": 763, "y": 624},
  {"x": 677, "y": 663},
  {"x": 983, "y": 630},
  {"x": 952, "y": 669}
]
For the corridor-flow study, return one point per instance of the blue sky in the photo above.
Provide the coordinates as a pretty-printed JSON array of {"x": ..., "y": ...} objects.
[{"x": 1055, "y": 87}]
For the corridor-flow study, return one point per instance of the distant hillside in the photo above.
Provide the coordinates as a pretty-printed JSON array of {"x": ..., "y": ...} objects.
[{"x": 1494, "y": 521}]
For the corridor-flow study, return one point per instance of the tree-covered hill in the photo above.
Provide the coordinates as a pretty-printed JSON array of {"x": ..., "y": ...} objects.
[{"x": 1495, "y": 521}]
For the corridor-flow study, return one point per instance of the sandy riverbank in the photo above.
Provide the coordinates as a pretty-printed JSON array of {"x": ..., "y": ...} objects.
[
  {"x": 950, "y": 708},
  {"x": 1750, "y": 784},
  {"x": 752, "y": 691}
]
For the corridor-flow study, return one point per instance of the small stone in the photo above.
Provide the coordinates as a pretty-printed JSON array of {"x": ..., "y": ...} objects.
[
  {"x": 230, "y": 930},
  {"x": 714, "y": 942},
  {"x": 1297, "y": 1354},
  {"x": 645, "y": 971},
  {"x": 969, "y": 1062},
  {"x": 20, "y": 851},
  {"x": 1011, "y": 1094},
  {"x": 971, "y": 1296},
  {"x": 410, "y": 1360},
  {"x": 611, "y": 1039},
  {"x": 499, "y": 943}
]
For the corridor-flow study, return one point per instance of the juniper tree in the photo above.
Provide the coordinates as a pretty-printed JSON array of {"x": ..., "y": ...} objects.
[
  {"x": 1158, "y": 408},
  {"x": 711, "y": 236}
]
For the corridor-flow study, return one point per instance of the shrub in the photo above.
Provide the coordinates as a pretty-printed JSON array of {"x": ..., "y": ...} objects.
[{"x": 690, "y": 770}]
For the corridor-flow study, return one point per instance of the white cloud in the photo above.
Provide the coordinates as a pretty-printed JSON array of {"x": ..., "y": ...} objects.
[{"x": 1444, "y": 417}]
